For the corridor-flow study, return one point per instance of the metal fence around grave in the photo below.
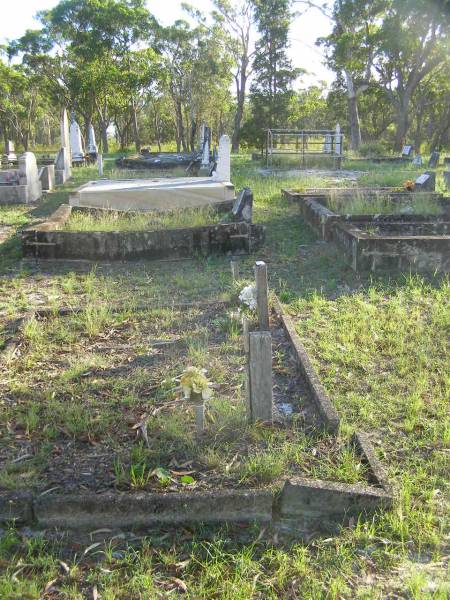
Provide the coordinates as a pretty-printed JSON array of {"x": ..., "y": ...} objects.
[{"x": 307, "y": 142}]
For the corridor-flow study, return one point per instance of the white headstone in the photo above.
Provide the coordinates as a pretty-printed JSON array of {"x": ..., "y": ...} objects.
[
  {"x": 92, "y": 146},
  {"x": 29, "y": 176},
  {"x": 63, "y": 164},
  {"x": 417, "y": 161},
  {"x": 10, "y": 150},
  {"x": 206, "y": 147},
  {"x": 407, "y": 150},
  {"x": 76, "y": 143},
  {"x": 338, "y": 144},
  {"x": 223, "y": 170}
]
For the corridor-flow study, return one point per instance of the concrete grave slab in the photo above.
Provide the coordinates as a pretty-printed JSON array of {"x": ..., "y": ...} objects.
[{"x": 153, "y": 194}]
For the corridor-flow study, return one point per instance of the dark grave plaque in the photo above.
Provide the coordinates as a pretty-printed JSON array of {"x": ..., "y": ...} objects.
[
  {"x": 243, "y": 206},
  {"x": 434, "y": 160},
  {"x": 425, "y": 182},
  {"x": 407, "y": 150}
]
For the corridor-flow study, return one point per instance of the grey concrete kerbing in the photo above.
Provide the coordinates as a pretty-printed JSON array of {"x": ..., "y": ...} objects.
[
  {"x": 140, "y": 510},
  {"x": 325, "y": 408}
]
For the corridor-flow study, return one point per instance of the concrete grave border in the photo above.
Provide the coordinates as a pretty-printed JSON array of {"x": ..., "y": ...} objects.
[
  {"x": 298, "y": 506},
  {"x": 48, "y": 240},
  {"x": 367, "y": 251}
]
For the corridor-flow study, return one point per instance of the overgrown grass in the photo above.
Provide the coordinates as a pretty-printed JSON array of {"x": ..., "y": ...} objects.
[
  {"x": 118, "y": 221},
  {"x": 360, "y": 204},
  {"x": 379, "y": 346}
]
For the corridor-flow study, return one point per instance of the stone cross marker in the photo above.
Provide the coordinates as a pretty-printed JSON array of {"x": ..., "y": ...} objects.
[{"x": 223, "y": 170}]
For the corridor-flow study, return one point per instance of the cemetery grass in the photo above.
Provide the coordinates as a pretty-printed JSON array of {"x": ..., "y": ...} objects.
[
  {"x": 119, "y": 221},
  {"x": 378, "y": 344},
  {"x": 92, "y": 401}
]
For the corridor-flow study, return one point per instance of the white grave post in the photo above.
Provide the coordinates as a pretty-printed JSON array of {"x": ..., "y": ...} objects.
[
  {"x": 338, "y": 144},
  {"x": 76, "y": 144},
  {"x": 100, "y": 164},
  {"x": 206, "y": 147},
  {"x": 223, "y": 170}
]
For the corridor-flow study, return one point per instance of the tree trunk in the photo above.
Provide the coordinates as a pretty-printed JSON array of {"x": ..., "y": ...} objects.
[
  {"x": 352, "y": 99},
  {"x": 104, "y": 136},
  {"x": 240, "y": 95},
  {"x": 402, "y": 123},
  {"x": 137, "y": 140}
]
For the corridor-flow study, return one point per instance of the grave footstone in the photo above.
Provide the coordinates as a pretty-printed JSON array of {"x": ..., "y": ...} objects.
[
  {"x": 434, "y": 160},
  {"x": 417, "y": 161},
  {"x": 425, "y": 182},
  {"x": 243, "y": 206},
  {"x": 407, "y": 151}
]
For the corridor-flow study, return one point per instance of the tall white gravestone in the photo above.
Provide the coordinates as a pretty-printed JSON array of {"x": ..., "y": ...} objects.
[
  {"x": 223, "y": 170},
  {"x": 63, "y": 164},
  {"x": 92, "y": 146},
  {"x": 338, "y": 138},
  {"x": 29, "y": 177},
  {"x": 76, "y": 143}
]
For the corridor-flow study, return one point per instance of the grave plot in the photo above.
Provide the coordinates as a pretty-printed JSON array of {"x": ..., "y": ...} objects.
[
  {"x": 105, "y": 424},
  {"x": 81, "y": 233},
  {"x": 381, "y": 229}
]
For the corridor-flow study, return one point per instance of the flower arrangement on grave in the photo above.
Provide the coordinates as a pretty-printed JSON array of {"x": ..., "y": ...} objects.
[
  {"x": 408, "y": 185},
  {"x": 197, "y": 388},
  {"x": 248, "y": 297},
  {"x": 194, "y": 383}
]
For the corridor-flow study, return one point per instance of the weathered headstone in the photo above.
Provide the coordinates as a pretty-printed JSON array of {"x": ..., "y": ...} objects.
[
  {"x": 417, "y": 160},
  {"x": 426, "y": 182},
  {"x": 407, "y": 150},
  {"x": 47, "y": 177},
  {"x": 223, "y": 170},
  {"x": 434, "y": 160},
  {"x": 10, "y": 151},
  {"x": 29, "y": 176},
  {"x": 243, "y": 206},
  {"x": 100, "y": 164},
  {"x": 447, "y": 179},
  {"x": 76, "y": 143}
]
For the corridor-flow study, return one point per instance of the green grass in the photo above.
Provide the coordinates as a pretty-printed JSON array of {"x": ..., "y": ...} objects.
[
  {"x": 359, "y": 204},
  {"x": 117, "y": 221},
  {"x": 380, "y": 348}
]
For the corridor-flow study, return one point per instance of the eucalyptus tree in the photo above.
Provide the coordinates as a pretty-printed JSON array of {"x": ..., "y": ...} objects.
[
  {"x": 413, "y": 42},
  {"x": 96, "y": 56},
  {"x": 271, "y": 89},
  {"x": 197, "y": 76}
]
